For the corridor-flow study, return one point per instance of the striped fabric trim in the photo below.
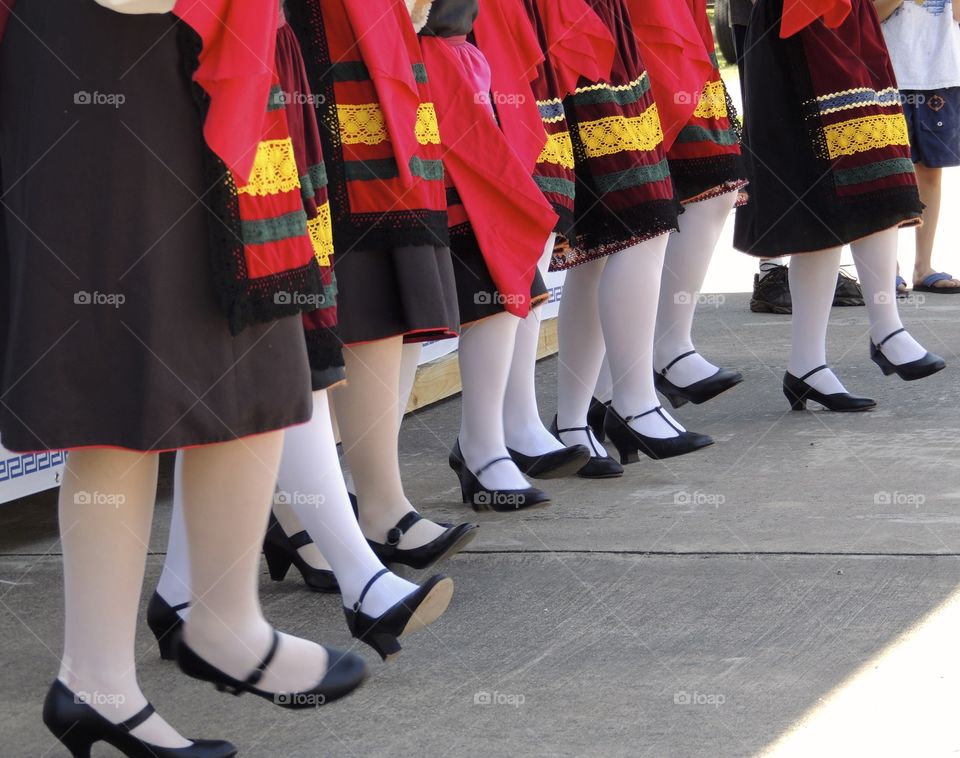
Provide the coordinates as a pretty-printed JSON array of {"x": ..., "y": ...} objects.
[
  {"x": 625, "y": 94},
  {"x": 313, "y": 181},
  {"x": 694, "y": 133},
  {"x": 859, "y": 135},
  {"x": 633, "y": 177},
  {"x": 713, "y": 101},
  {"x": 558, "y": 150},
  {"x": 277, "y": 99},
  {"x": 275, "y": 229},
  {"x": 873, "y": 171},
  {"x": 618, "y": 134},
  {"x": 274, "y": 169},
  {"x": 857, "y": 98},
  {"x": 557, "y": 185},
  {"x": 714, "y": 60},
  {"x": 420, "y": 73},
  {"x": 551, "y": 111},
  {"x": 386, "y": 168}
]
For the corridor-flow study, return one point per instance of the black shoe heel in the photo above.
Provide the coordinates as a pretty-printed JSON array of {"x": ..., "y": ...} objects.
[
  {"x": 421, "y": 607},
  {"x": 344, "y": 674},
  {"x": 798, "y": 392},
  {"x": 599, "y": 466},
  {"x": 165, "y": 622},
  {"x": 630, "y": 443},
  {"x": 483, "y": 499},
  {"x": 921, "y": 368},
  {"x": 79, "y": 727},
  {"x": 595, "y": 417},
  {"x": 451, "y": 542},
  {"x": 282, "y": 551},
  {"x": 698, "y": 392}
]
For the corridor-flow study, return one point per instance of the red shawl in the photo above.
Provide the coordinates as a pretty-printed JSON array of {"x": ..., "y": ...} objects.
[
  {"x": 580, "y": 43},
  {"x": 236, "y": 71},
  {"x": 509, "y": 43},
  {"x": 799, "y": 14},
  {"x": 509, "y": 215},
  {"x": 389, "y": 66},
  {"x": 675, "y": 57}
]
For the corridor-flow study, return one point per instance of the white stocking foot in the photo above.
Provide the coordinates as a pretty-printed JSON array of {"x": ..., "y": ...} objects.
[
  {"x": 388, "y": 590},
  {"x": 659, "y": 425},
  {"x": 688, "y": 370},
  {"x": 824, "y": 380},
  {"x": 900, "y": 348}
]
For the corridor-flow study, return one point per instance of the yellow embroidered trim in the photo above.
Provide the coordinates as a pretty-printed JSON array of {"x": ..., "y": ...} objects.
[
  {"x": 321, "y": 234},
  {"x": 558, "y": 150},
  {"x": 713, "y": 101},
  {"x": 612, "y": 87},
  {"x": 861, "y": 134},
  {"x": 854, "y": 98},
  {"x": 617, "y": 134},
  {"x": 274, "y": 169},
  {"x": 428, "y": 130},
  {"x": 361, "y": 124}
]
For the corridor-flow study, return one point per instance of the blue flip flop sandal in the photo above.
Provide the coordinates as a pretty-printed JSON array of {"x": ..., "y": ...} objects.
[
  {"x": 927, "y": 285},
  {"x": 901, "y": 282}
]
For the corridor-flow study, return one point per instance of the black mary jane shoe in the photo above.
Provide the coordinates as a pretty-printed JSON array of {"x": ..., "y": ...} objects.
[
  {"x": 78, "y": 727},
  {"x": 345, "y": 672},
  {"x": 798, "y": 392},
  {"x": 596, "y": 415},
  {"x": 282, "y": 552},
  {"x": 698, "y": 392},
  {"x": 629, "y": 442},
  {"x": 483, "y": 499},
  {"x": 451, "y": 542},
  {"x": 552, "y": 465},
  {"x": 599, "y": 466},
  {"x": 165, "y": 623},
  {"x": 931, "y": 363},
  {"x": 421, "y": 607}
]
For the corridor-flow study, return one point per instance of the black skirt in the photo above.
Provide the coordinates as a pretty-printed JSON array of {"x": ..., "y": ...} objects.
[{"x": 114, "y": 335}]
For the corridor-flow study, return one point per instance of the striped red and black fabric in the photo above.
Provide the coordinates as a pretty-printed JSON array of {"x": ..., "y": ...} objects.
[
  {"x": 624, "y": 193},
  {"x": 705, "y": 157},
  {"x": 370, "y": 202}
]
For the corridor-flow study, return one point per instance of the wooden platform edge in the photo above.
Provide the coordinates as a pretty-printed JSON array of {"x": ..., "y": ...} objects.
[{"x": 440, "y": 379}]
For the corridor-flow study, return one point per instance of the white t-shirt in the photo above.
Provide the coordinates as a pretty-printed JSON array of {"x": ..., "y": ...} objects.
[{"x": 924, "y": 43}]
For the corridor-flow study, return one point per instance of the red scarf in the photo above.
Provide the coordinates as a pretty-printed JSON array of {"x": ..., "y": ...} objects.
[
  {"x": 509, "y": 43},
  {"x": 675, "y": 57},
  {"x": 580, "y": 43},
  {"x": 799, "y": 14},
  {"x": 236, "y": 71},
  {"x": 510, "y": 217}
]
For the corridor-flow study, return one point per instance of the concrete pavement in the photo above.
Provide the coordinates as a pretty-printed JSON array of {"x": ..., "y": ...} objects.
[{"x": 703, "y": 606}]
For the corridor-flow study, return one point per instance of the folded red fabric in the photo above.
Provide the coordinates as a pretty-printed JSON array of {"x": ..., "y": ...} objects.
[{"x": 799, "y": 14}]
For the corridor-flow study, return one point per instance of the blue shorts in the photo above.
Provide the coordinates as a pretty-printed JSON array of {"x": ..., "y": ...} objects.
[{"x": 933, "y": 120}]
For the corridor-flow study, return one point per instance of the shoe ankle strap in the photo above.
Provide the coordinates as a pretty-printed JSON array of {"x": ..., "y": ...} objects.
[
  {"x": 886, "y": 339},
  {"x": 403, "y": 526},
  {"x": 671, "y": 364},
  {"x": 137, "y": 719},
  {"x": 659, "y": 411},
  {"x": 812, "y": 371},
  {"x": 357, "y": 605},
  {"x": 586, "y": 430},
  {"x": 257, "y": 674},
  {"x": 300, "y": 539},
  {"x": 495, "y": 460}
]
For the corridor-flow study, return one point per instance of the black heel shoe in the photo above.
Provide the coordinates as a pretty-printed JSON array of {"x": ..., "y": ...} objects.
[
  {"x": 421, "y": 607},
  {"x": 599, "y": 466},
  {"x": 798, "y": 392},
  {"x": 165, "y": 623},
  {"x": 918, "y": 369},
  {"x": 595, "y": 417},
  {"x": 281, "y": 552},
  {"x": 630, "y": 443},
  {"x": 552, "y": 465},
  {"x": 345, "y": 672},
  {"x": 698, "y": 392},
  {"x": 483, "y": 499},
  {"x": 451, "y": 542},
  {"x": 79, "y": 727}
]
